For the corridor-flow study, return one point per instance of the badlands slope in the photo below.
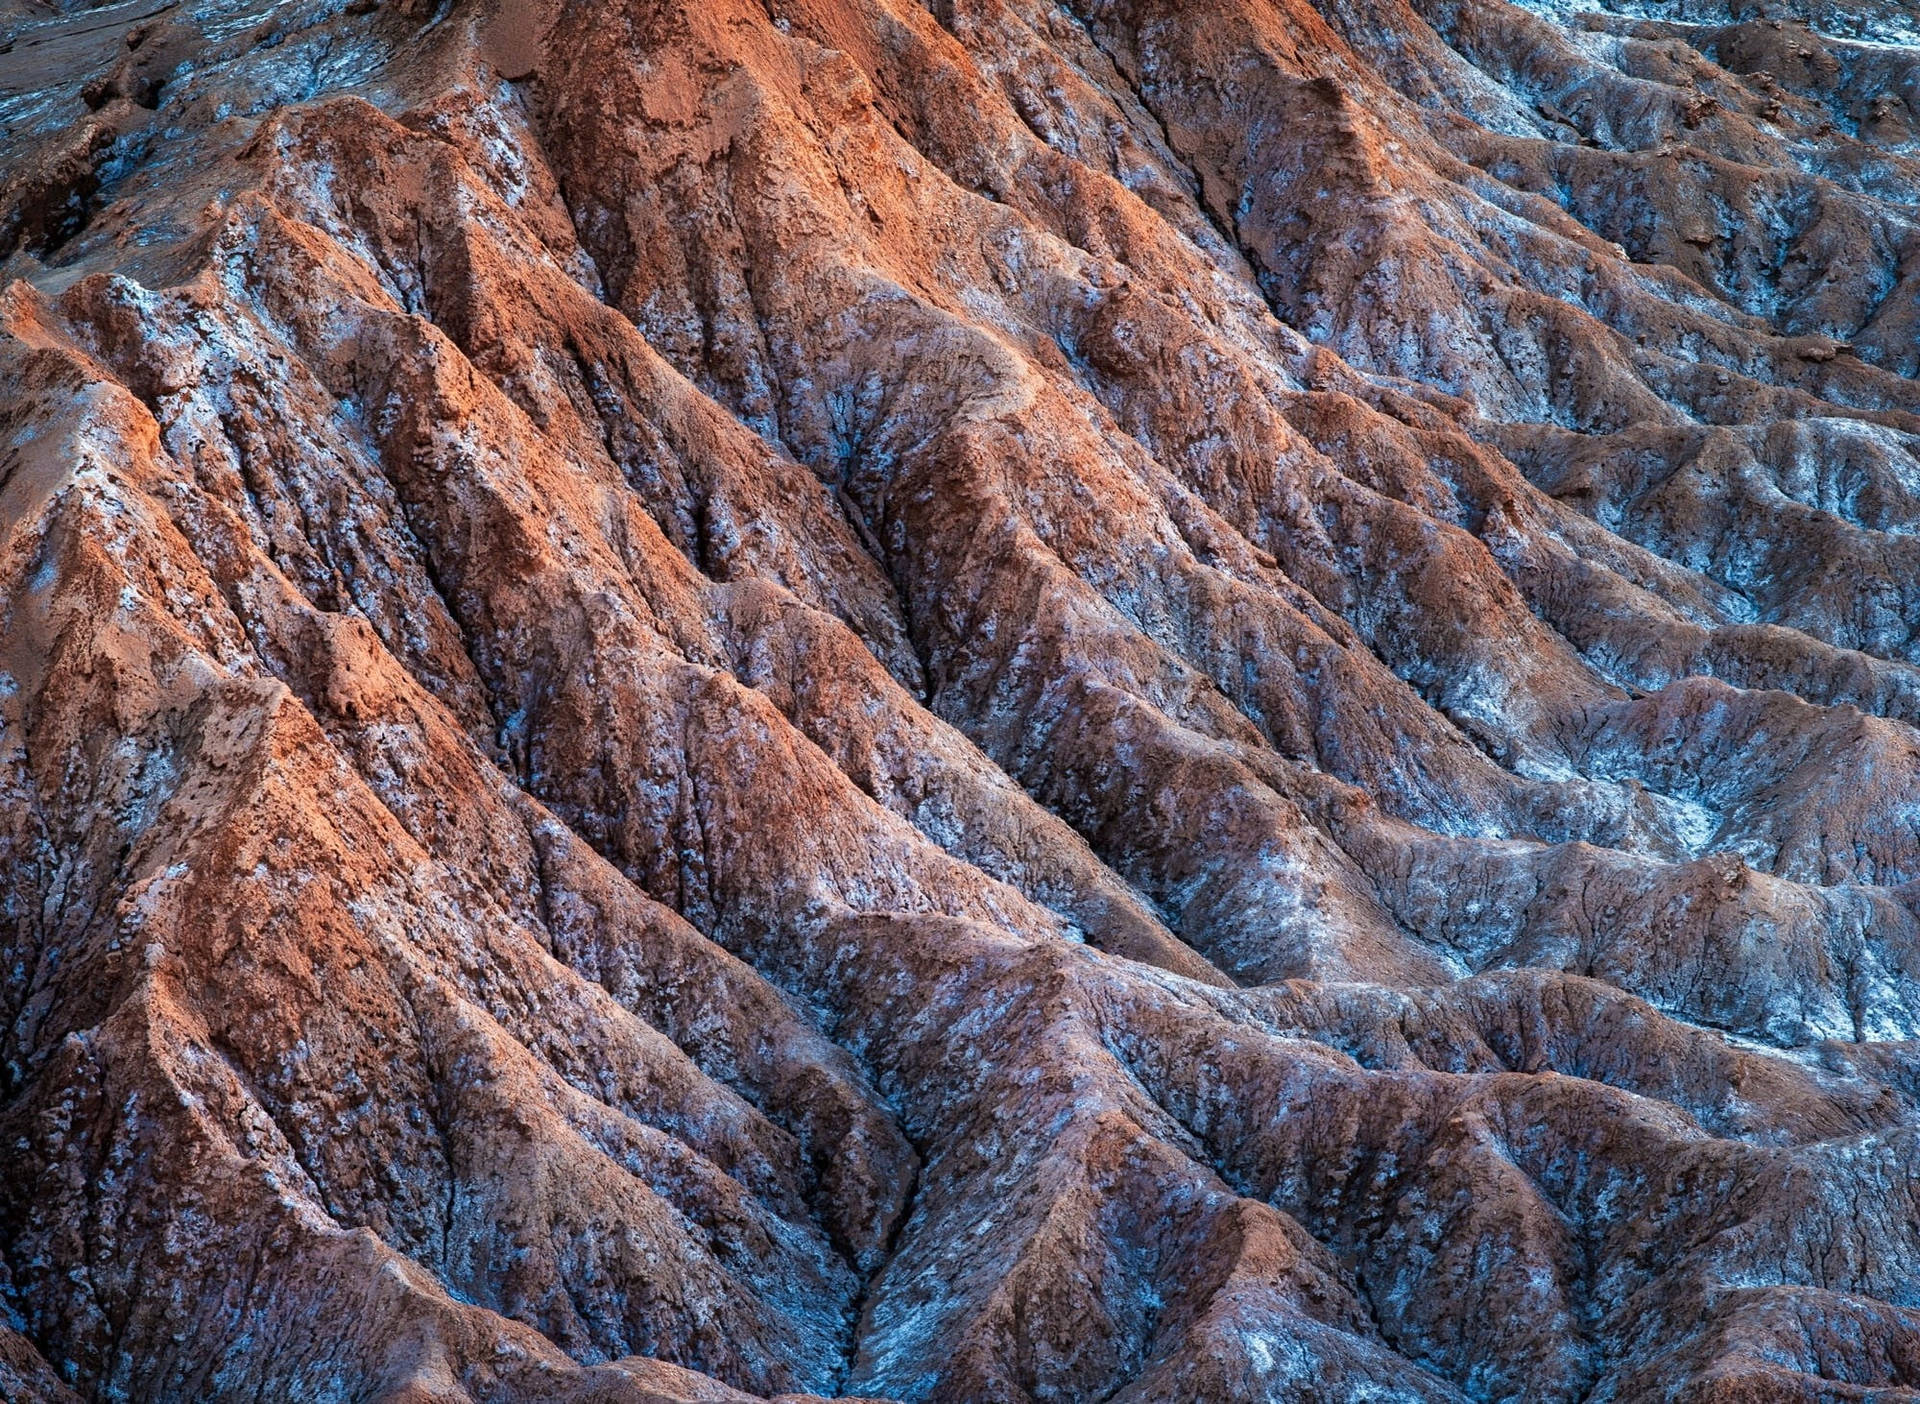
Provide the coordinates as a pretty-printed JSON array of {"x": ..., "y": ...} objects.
[{"x": 973, "y": 701}]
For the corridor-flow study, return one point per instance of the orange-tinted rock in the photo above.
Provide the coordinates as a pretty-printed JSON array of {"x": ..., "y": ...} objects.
[{"x": 980, "y": 701}]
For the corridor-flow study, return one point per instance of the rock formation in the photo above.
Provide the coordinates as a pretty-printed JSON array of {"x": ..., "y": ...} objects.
[{"x": 975, "y": 701}]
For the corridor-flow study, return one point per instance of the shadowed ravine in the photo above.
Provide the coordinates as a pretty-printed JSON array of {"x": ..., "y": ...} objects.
[{"x": 972, "y": 701}]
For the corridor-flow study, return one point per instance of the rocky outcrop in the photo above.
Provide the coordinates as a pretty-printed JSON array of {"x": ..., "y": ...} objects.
[{"x": 980, "y": 700}]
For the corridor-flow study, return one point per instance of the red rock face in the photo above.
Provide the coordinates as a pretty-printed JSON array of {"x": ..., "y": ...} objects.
[{"x": 960, "y": 700}]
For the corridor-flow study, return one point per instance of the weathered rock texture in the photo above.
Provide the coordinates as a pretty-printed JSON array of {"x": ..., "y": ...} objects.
[{"x": 960, "y": 700}]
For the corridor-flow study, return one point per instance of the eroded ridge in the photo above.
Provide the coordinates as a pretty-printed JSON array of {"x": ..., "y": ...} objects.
[{"x": 976, "y": 701}]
